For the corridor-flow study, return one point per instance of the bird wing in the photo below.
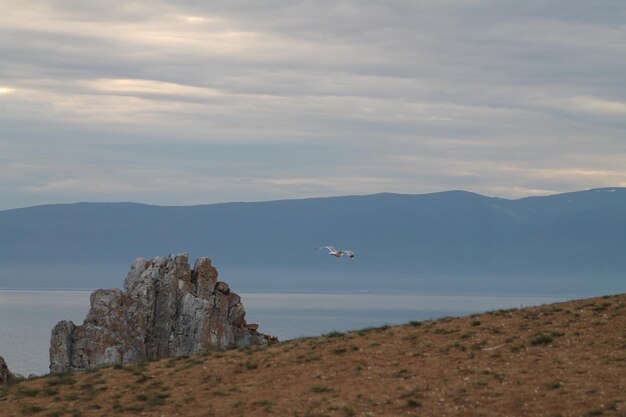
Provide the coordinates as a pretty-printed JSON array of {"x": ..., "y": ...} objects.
[{"x": 331, "y": 249}]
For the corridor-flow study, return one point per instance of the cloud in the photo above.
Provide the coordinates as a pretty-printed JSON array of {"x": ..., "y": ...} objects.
[
  {"x": 598, "y": 105},
  {"x": 153, "y": 100}
]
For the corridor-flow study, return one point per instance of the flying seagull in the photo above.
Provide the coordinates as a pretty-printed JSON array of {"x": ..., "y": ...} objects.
[{"x": 338, "y": 253}]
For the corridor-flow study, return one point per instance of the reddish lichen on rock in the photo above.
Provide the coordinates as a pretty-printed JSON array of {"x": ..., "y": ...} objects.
[{"x": 166, "y": 309}]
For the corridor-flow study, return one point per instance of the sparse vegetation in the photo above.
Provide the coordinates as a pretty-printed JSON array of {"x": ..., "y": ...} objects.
[
  {"x": 471, "y": 367},
  {"x": 368, "y": 330},
  {"x": 65, "y": 378},
  {"x": 348, "y": 411},
  {"x": 320, "y": 388},
  {"x": 158, "y": 399},
  {"x": 541, "y": 339},
  {"x": 266, "y": 404},
  {"x": 555, "y": 385},
  {"x": 31, "y": 409},
  {"x": 27, "y": 392},
  {"x": 413, "y": 403}
]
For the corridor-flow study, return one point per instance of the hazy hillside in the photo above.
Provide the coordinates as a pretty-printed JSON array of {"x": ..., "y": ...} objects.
[{"x": 399, "y": 240}]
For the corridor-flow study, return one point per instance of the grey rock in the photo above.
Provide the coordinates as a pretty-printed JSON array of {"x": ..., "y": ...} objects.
[
  {"x": 5, "y": 374},
  {"x": 166, "y": 309},
  {"x": 222, "y": 287},
  {"x": 60, "y": 346}
]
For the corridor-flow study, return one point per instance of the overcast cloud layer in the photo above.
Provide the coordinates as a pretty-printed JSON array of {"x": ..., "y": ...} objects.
[{"x": 193, "y": 102}]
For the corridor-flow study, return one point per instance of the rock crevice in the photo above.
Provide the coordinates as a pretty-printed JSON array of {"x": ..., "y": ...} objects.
[{"x": 166, "y": 309}]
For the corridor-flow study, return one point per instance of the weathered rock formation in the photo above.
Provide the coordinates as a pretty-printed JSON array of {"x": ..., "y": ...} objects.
[
  {"x": 5, "y": 374},
  {"x": 166, "y": 309}
]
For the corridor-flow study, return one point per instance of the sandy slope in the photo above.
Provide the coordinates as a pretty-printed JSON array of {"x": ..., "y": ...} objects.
[{"x": 566, "y": 359}]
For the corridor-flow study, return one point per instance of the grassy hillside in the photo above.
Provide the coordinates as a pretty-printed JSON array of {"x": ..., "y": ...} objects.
[{"x": 566, "y": 359}]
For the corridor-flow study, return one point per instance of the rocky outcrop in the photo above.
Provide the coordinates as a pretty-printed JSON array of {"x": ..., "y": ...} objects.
[
  {"x": 166, "y": 309},
  {"x": 5, "y": 374}
]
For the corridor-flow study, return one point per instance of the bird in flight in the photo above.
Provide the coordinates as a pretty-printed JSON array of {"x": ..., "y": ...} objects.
[{"x": 338, "y": 253}]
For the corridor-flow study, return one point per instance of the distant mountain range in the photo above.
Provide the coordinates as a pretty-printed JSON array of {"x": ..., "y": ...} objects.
[{"x": 432, "y": 241}]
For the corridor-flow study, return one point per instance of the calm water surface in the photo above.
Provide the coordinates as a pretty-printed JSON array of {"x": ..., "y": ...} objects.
[{"x": 27, "y": 317}]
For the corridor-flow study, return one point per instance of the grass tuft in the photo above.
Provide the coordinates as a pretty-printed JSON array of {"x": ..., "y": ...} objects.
[
  {"x": 321, "y": 388},
  {"x": 541, "y": 339},
  {"x": 412, "y": 403},
  {"x": 31, "y": 409}
]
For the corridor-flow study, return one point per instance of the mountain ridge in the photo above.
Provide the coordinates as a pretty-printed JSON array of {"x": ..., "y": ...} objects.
[
  {"x": 382, "y": 193},
  {"x": 451, "y": 233}
]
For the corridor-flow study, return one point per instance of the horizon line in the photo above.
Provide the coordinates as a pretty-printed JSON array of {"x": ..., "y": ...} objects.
[{"x": 607, "y": 188}]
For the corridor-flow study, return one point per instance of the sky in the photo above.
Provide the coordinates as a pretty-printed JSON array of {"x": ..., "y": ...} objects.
[{"x": 194, "y": 102}]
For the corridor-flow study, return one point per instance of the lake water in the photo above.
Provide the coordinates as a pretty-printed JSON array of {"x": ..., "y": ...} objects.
[{"x": 27, "y": 317}]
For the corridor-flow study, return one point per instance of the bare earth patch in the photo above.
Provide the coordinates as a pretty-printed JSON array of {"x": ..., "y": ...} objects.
[{"x": 566, "y": 359}]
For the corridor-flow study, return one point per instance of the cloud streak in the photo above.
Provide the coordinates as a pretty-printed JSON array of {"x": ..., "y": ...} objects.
[{"x": 172, "y": 102}]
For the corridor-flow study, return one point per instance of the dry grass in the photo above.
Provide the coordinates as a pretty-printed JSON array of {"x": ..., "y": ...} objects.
[{"x": 566, "y": 359}]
